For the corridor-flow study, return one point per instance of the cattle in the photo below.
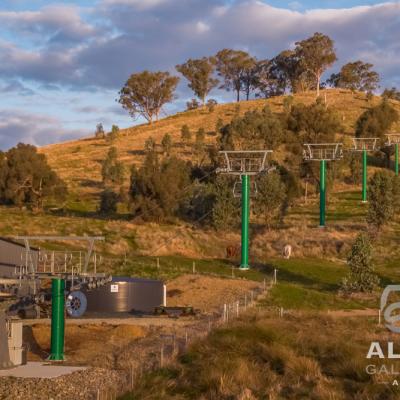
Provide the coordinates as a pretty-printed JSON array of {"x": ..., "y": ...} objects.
[
  {"x": 287, "y": 251},
  {"x": 232, "y": 251}
]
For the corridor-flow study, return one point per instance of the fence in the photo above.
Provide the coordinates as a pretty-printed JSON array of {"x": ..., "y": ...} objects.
[{"x": 165, "y": 350}]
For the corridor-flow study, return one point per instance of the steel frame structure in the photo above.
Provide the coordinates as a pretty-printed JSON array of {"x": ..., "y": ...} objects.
[
  {"x": 322, "y": 152},
  {"x": 245, "y": 163}
]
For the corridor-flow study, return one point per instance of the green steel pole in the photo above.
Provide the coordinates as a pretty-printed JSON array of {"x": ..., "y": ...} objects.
[
  {"x": 57, "y": 320},
  {"x": 322, "y": 192},
  {"x": 396, "y": 159},
  {"x": 245, "y": 221},
  {"x": 364, "y": 176}
]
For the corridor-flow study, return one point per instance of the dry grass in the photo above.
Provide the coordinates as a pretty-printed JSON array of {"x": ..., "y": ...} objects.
[
  {"x": 302, "y": 356},
  {"x": 78, "y": 161},
  {"x": 206, "y": 293},
  {"x": 83, "y": 342}
]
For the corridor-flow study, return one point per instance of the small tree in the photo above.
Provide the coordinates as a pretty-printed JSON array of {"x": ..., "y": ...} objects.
[
  {"x": 361, "y": 277},
  {"x": 113, "y": 135},
  {"x": 316, "y": 54},
  {"x": 166, "y": 144},
  {"x": 149, "y": 144},
  {"x": 200, "y": 136},
  {"x": 199, "y": 74},
  {"x": 270, "y": 198},
  {"x": 186, "y": 135},
  {"x": 255, "y": 129},
  {"x": 99, "y": 133},
  {"x": 192, "y": 105},
  {"x": 380, "y": 199},
  {"x": 392, "y": 94},
  {"x": 226, "y": 209},
  {"x": 112, "y": 171},
  {"x": 27, "y": 179},
  {"x": 211, "y": 103},
  {"x": 108, "y": 202},
  {"x": 219, "y": 125},
  {"x": 314, "y": 123},
  {"x": 145, "y": 93},
  {"x": 376, "y": 121}
]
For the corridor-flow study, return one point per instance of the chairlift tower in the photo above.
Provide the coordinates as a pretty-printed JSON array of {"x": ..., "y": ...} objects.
[
  {"x": 322, "y": 152},
  {"x": 244, "y": 163},
  {"x": 364, "y": 145},
  {"x": 394, "y": 139}
]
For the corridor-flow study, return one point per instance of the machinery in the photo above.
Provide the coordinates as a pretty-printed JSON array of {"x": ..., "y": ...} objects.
[{"x": 41, "y": 282}]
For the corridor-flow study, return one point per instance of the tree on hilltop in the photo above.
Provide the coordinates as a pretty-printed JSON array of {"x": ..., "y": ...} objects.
[
  {"x": 316, "y": 54},
  {"x": 356, "y": 76},
  {"x": 199, "y": 74},
  {"x": 232, "y": 66},
  {"x": 145, "y": 93},
  {"x": 392, "y": 94}
]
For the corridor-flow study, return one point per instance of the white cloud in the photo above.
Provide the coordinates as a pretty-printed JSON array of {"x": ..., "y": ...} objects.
[
  {"x": 100, "y": 47},
  {"x": 17, "y": 126}
]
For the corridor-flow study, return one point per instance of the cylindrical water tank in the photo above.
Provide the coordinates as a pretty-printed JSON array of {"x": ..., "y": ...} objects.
[{"x": 124, "y": 294}]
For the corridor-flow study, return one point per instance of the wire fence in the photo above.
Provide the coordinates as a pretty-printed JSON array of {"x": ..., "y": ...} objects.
[{"x": 166, "y": 348}]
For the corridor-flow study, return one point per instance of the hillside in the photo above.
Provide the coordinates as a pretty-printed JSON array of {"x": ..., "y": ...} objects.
[{"x": 78, "y": 162}]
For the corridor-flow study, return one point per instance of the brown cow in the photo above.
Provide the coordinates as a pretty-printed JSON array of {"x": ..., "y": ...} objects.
[{"x": 232, "y": 251}]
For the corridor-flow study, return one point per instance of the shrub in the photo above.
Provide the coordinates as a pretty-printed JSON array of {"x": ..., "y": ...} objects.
[
  {"x": 361, "y": 277},
  {"x": 112, "y": 171},
  {"x": 211, "y": 103},
  {"x": 27, "y": 179},
  {"x": 192, "y": 105},
  {"x": 380, "y": 200},
  {"x": 186, "y": 135},
  {"x": 99, "y": 132},
  {"x": 108, "y": 202},
  {"x": 166, "y": 144}
]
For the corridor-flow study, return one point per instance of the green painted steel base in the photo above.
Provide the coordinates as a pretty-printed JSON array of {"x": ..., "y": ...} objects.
[
  {"x": 57, "y": 320},
  {"x": 244, "y": 265},
  {"x": 322, "y": 193},
  {"x": 364, "y": 176}
]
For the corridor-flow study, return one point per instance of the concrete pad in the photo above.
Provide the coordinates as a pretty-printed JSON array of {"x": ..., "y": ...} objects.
[{"x": 39, "y": 370}]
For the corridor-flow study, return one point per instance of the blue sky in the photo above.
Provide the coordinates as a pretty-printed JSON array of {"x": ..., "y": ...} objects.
[{"x": 62, "y": 63}]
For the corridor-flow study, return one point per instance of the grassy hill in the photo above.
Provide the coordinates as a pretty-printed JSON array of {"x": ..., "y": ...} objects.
[{"x": 79, "y": 163}]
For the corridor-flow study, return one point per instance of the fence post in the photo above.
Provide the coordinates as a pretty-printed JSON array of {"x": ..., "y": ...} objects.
[
  {"x": 162, "y": 356},
  {"x": 275, "y": 276},
  {"x": 194, "y": 267},
  {"x": 158, "y": 263},
  {"x": 224, "y": 315},
  {"x": 379, "y": 316},
  {"x": 237, "y": 309}
]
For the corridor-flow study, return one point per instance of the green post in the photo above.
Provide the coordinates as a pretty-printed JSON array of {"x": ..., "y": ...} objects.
[
  {"x": 364, "y": 176},
  {"x": 57, "y": 320},
  {"x": 322, "y": 193},
  {"x": 396, "y": 159},
  {"x": 245, "y": 221}
]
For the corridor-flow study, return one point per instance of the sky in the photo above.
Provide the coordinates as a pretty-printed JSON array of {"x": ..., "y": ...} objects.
[{"x": 63, "y": 63}]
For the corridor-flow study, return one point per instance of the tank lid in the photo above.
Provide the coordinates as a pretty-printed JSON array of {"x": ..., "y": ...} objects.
[{"x": 131, "y": 279}]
